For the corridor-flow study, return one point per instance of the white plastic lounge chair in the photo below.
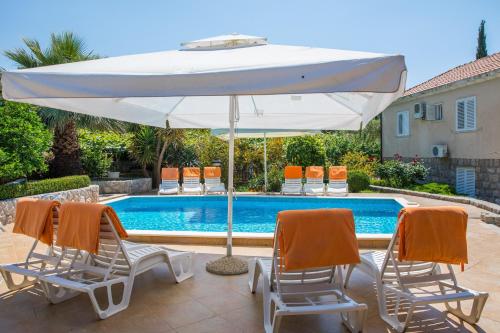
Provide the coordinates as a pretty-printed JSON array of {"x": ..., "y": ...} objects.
[
  {"x": 117, "y": 262},
  {"x": 191, "y": 181},
  {"x": 410, "y": 284},
  {"x": 337, "y": 182},
  {"x": 314, "y": 181},
  {"x": 51, "y": 259},
  {"x": 316, "y": 290},
  {"x": 293, "y": 181},
  {"x": 169, "y": 181},
  {"x": 212, "y": 180}
]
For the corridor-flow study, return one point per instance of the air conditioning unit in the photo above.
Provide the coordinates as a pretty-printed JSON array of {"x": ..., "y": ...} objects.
[
  {"x": 439, "y": 150},
  {"x": 419, "y": 110}
]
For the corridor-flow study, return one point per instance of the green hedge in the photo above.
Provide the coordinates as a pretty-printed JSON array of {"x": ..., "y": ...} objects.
[{"x": 43, "y": 186}]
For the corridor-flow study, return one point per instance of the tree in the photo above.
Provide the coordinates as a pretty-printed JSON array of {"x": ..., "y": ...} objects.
[
  {"x": 64, "y": 48},
  {"x": 481, "y": 50},
  {"x": 305, "y": 151},
  {"x": 24, "y": 142}
]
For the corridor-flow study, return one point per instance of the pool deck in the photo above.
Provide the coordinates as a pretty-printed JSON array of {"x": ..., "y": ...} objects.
[
  {"x": 209, "y": 303},
  {"x": 365, "y": 241}
]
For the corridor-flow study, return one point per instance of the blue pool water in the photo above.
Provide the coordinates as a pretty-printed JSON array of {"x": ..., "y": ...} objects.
[{"x": 251, "y": 214}]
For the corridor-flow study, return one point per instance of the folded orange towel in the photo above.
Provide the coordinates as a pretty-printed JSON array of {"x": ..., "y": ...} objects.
[
  {"x": 34, "y": 218},
  {"x": 79, "y": 225},
  {"x": 211, "y": 172},
  {"x": 170, "y": 173},
  {"x": 314, "y": 172},
  {"x": 191, "y": 172},
  {"x": 435, "y": 234},
  {"x": 317, "y": 238},
  {"x": 293, "y": 172},
  {"x": 337, "y": 173}
]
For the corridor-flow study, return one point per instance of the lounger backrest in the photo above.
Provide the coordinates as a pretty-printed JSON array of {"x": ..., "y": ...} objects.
[
  {"x": 170, "y": 174},
  {"x": 314, "y": 175},
  {"x": 212, "y": 175},
  {"x": 337, "y": 174},
  {"x": 293, "y": 175},
  {"x": 56, "y": 250},
  {"x": 393, "y": 269},
  {"x": 112, "y": 255},
  {"x": 284, "y": 281},
  {"x": 191, "y": 176}
]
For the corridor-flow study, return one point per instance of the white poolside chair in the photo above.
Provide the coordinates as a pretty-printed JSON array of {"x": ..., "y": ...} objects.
[
  {"x": 117, "y": 262},
  {"x": 212, "y": 180},
  {"x": 406, "y": 285},
  {"x": 316, "y": 290},
  {"x": 169, "y": 181},
  {"x": 37, "y": 263},
  {"x": 191, "y": 181},
  {"x": 337, "y": 181},
  {"x": 314, "y": 181},
  {"x": 293, "y": 181}
]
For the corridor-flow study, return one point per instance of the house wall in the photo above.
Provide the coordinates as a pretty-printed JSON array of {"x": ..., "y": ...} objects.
[{"x": 479, "y": 149}]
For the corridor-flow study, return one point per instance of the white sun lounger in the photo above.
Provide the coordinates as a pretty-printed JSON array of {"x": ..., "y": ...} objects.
[
  {"x": 213, "y": 184},
  {"x": 191, "y": 184},
  {"x": 38, "y": 263},
  {"x": 313, "y": 291},
  {"x": 169, "y": 183},
  {"x": 336, "y": 186},
  {"x": 118, "y": 262},
  {"x": 314, "y": 185},
  {"x": 411, "y": 284},
  {"x": 292, "y": 185}
]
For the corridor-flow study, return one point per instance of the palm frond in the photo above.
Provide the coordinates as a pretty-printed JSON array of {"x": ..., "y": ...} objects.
[
  {"x": 54, "y": 118},
  {"x": 34, "y": 46},
  {"x": 22, "y": 57}
]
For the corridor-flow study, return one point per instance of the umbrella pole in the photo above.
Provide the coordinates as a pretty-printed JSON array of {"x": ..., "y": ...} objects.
[
  {"x": 265, "y": 163},
  {"x": 232, "y": 106},
  {"x": 229, "y": 265}
]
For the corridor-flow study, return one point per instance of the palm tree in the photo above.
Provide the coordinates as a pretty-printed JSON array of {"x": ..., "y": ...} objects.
[{"x": 64, "y": 47}]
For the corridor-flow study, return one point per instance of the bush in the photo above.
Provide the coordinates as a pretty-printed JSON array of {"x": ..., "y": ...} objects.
[
  {"x": 24, "y": 142},
  {"x": 358, "y": 161},
  {"x": 436, "y": 188},
  {"x": 305, "y": 151},
  {"x": 274, "y": 180},
  {"x": 358, "y": 181},
  {"x": 9, "y": 191},
  {"x": 396, "y": 173}
]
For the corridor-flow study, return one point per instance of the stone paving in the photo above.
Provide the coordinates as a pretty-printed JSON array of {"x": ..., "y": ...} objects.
[{"x": 209, "y": 303}]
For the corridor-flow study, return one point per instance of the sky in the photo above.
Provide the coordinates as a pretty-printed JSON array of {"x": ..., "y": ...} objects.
[{"x": 434, "y": 36}]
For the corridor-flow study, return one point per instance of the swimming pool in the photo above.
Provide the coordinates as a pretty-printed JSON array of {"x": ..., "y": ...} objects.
[{"x": 252, "y": 214}]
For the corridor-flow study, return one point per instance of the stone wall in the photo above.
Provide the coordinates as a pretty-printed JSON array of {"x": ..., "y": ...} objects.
[
  {"x": 138, "y": 185},
  {"x": 443, "y": 170},
  {"x": 85, "y": 194}
]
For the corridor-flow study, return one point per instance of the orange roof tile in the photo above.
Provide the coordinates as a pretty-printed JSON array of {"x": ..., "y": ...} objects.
[{"x": 465, "y": 71}]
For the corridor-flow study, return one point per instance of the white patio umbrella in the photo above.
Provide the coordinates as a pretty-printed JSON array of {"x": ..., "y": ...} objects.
[
  {"x": 223, "y": 134},
  {"x": 215, "y": 82}
]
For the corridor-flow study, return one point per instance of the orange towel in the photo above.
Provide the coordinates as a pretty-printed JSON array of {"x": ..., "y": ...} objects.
[
  {"x": 79, "y": 225},
  {"x": 317, "y": 238},
  {"x": 34, "y": 219},
  {"x": 337, "y": 173},
  {"x": 293, "y": 172},
  {"x": 314, "y": 172},
  {"x": 435, "y": 234},
  {"x": 191, "y": 172},
  {"x": 211, "y": 172},
  {"x": 170, "y": 173}
]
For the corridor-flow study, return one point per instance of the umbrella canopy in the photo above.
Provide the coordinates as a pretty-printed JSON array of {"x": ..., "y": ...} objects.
[
  {"x": 279, "y": 86},
  {"x": 216, "y": 82}
]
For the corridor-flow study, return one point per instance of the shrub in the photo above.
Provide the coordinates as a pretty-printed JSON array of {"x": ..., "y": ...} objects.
[
  {"x": 9, "y": 191},
  {"x": 358, "y": 161},
  {"x": 305, "y": 150},
  {"x": 274, "y": 180},
  {"x": 24, "y": 142},
  {"x": 436, "y": 188},
  {"x": 358, "y": 181},
  {"x": 396, "y": 173}
]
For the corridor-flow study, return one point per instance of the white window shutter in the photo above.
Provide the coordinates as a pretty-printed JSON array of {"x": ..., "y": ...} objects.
[
  {"x": 460, "y": 115},
  {"x": 406, "y": 123},
  {"x": 470, "y": 118},
  {"x": 466, "y": 181}
]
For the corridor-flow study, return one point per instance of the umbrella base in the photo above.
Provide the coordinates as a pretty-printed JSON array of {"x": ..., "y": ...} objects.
[{"x": 227, "y": 266}]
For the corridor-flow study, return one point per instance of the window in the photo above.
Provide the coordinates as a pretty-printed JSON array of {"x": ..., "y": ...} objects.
[
  {"x": 466, "y": 181},
  {"x": 438, "y": 111},
  {"x": 466, "y": 114},
  {"x": 403, "y": 123}
]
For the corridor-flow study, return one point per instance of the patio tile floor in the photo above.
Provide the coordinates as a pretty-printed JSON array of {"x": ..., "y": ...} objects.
[{"x": 209, "y": 303}]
